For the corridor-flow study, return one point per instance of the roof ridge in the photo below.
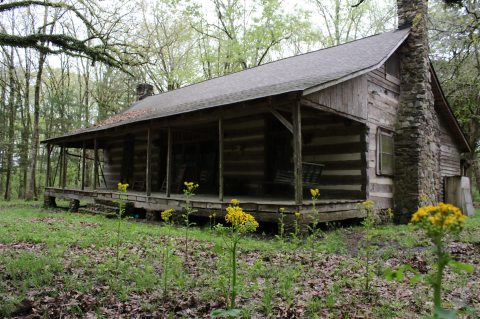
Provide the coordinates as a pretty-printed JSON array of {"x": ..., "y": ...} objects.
[{"x": 264, "y": 64}]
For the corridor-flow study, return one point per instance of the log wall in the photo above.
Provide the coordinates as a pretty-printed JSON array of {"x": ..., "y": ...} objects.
[
  {"x": 449, "y": 153},
  {"x": 383, "y": 102},
  {"x": 113, "y": 162},
  {"x": 338, "y": 144},
  {"x": 244, "y": 159}
]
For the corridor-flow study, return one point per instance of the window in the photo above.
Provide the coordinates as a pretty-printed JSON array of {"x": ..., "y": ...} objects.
[{"x": 385, "y": 159}]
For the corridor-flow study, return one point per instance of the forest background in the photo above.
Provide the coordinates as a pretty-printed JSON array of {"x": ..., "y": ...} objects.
[{"x": 66, "y": 65}]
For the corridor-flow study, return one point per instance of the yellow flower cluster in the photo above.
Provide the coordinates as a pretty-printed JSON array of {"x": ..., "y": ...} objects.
[
  {"x": 240, "y": 220},
  {"x": 190, "y": 186},
  {"x": 315, "y": 192},
  {"x": 297, "y": 215},
  {"x": 368, "y": 204},
  {"x": 122, "y": 187},
  {"x": 167, "y": 214},
  {"x": 443, "y": 216},
  {"x": 235, "y": 202}
]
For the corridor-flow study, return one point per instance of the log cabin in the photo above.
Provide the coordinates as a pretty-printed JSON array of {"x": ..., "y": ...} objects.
[{"x": 363, "y": 120}]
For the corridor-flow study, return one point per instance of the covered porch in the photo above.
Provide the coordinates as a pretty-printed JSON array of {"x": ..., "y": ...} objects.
[{"x": 267, "y": 153}]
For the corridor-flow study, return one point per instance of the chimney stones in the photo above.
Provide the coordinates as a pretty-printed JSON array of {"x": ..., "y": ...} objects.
[{"x": 417, "y": 151}]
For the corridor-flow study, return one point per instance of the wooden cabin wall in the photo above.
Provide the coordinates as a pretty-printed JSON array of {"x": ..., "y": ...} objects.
[
  {"x": 244, "y": 159},
  {"x": 113, "y": 162},
  {"x": 347, "y": 97},
  {"x": 450, "y": 155},
  {"x": 383, "y": 102},
  {"x": 339, "y": 145}
]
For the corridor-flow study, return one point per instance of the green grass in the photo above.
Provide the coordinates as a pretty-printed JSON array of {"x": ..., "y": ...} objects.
[{"x": 65, "y": 264}]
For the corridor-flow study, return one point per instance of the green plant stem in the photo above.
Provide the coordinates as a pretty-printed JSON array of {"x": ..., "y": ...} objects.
[
  {"x": 166, "y": 256},
  {"x": 367, "y": 264},
  {"x": 121, "y": 208},
  {"x": 441, "y": 263},
  {"x": 234, "y": 275}
]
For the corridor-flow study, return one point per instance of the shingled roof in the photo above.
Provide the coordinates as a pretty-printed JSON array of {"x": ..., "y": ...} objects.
[{"x": 323, "y": 67}]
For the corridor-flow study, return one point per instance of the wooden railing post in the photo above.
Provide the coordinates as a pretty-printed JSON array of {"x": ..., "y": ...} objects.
[
  {"x": 65, "y": 167},
  {"x": 169, "y": 163},
  {"x": 220, "y": 159},
  {"x": 148, "y": 178},
  {"x": 297, "y": 152},
  {"x": 49, "y": 153},
  {"x": 95, "y": 163},
  {"x": 60, "y": 173},
  {"x": 84, "y": 150}
]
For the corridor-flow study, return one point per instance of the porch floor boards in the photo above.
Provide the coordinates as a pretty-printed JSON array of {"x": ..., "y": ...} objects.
[{"x": 263, "y": 207}]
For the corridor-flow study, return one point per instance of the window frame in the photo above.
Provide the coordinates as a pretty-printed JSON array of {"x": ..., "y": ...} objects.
[{"x": 381, "y": 132}]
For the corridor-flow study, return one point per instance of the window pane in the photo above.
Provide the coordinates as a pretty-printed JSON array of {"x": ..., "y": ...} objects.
[
  {"x": 386, "y": 164},
  {"x": 386, "y": 143}
]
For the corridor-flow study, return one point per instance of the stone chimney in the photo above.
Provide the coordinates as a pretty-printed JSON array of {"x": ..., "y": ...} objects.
[
  {"x": 417, "y": 143},
  {"x": 144, "y": 90}
]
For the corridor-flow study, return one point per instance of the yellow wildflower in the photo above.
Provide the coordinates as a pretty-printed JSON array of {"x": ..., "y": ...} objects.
[
  {"x": 440, "y": 218},
  {"x": 235, "y": 202},
  {"x": 315, "y": 192},
  {"x": 240, "y": 220},
  {"x": 166, "y": 214},
  {"x": 368, "y": 204},
  {"x": 190, "y": 186},
  {"x": 297, "y": 215},
  {"x": 122, "y": 187},
  {"x": 281, "y": 210}
]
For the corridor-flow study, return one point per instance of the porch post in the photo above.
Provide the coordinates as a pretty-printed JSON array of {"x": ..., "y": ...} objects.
[
  {"x": 83, "y": 164},
  {"x": 220, "y": 159},
  {"x": 95, "y": 163},
  {"x": 148, "y": 179},
  {"x": 169, "y": 162},
  {"x": 65, "y": 166},
  {"x": 47, "y": 178},
  {"x": 60, "y": 174},
  {"x": 297, "y": 152}
]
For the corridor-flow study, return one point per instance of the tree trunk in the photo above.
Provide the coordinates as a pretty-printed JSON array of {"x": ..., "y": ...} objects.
[
  {"x": 25, "y": 118},
  {"x": 31, "y": 193},
  {"x": 11, "y": 130}
]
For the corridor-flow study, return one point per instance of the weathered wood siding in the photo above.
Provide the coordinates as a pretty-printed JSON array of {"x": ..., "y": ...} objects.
[
  {"x": 383, "y": 103},
  {"x": 113, "y": 162},
  {"x": 244, "y": 154},
  {"x": 339, "y": 145},
  {"x": 347, "y": 97},
  {"x": 449, "y": 156},
  {"x": 449, "y": 153}
]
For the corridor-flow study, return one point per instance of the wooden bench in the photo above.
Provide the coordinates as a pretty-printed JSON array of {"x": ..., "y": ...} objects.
[{"x": 311, "y": 173}]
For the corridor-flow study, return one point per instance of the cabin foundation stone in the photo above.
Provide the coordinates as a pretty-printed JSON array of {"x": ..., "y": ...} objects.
[
  {"x": 417, "y": 144},
  {"x": 74, "y": 205},
  {"x": 49, "y": 202}
]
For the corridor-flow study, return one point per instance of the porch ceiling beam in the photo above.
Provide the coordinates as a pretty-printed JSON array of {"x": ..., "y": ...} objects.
[
  {"x": 199, "y": 117},
  {"x": 282, "y": 119},
  {"x": 324, "y": 108}
]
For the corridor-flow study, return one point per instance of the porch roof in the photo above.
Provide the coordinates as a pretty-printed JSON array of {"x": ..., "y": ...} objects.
[{"x": 315, "y": 70}]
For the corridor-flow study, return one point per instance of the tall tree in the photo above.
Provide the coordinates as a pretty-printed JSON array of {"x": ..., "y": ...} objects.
[{"x": 455, "y": 38}]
